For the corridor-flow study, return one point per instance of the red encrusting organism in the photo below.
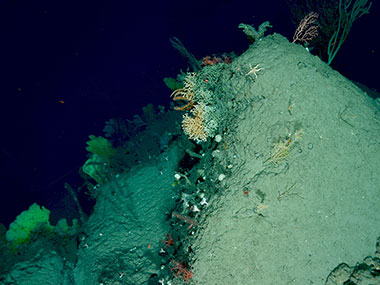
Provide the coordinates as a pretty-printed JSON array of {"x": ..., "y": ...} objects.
[
  {"x": 179, "y": 269},
  {"x": 169, "y": 240},
  {"x": 208, "y": 60}
]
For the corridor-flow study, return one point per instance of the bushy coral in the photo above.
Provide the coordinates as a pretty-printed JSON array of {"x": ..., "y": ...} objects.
[
  {"x": 253, "y": 34},
  {"x": 202, "y": 122},
  {"x": 193, "y": 125}
]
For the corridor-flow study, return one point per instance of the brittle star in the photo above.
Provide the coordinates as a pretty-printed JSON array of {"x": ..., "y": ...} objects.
[{"x": 254, "y": 70}]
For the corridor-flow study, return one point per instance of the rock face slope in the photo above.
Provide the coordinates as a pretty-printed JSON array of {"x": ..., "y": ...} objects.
[
  {"x": 281, "y": 186},
  {"x": 302, "y": 187}
]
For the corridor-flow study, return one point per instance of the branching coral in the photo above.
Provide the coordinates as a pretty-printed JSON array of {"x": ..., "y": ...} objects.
[{"x": 194, "y": 126}]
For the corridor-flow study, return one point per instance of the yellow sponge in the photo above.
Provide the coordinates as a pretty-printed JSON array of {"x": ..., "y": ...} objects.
[{"x": 28, "y": 221}]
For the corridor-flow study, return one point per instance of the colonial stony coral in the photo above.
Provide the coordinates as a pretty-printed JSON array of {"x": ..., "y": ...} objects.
[{"x": 193, "y": 125}]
